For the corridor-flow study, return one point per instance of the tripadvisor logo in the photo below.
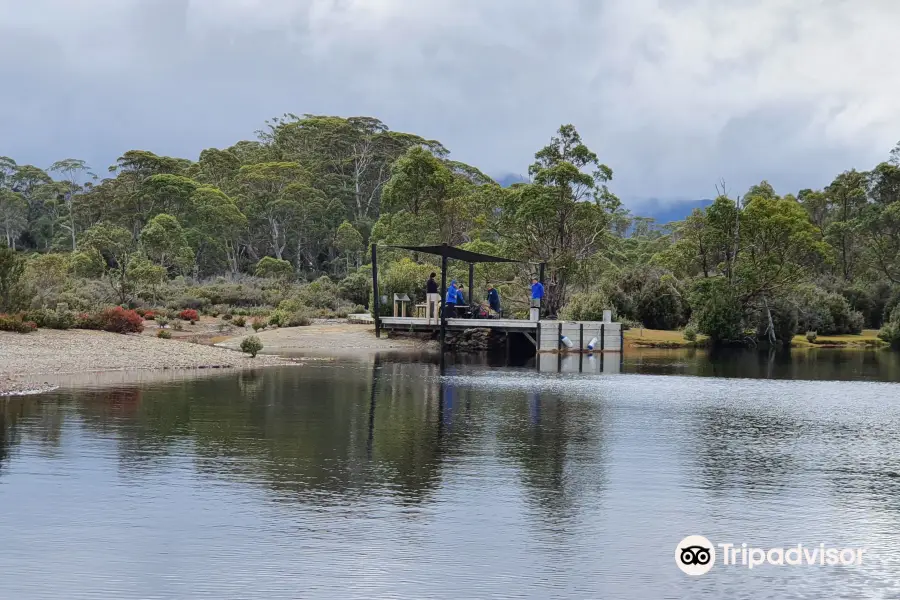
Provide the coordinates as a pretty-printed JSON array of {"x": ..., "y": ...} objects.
[{"x": 696, "y": 555}]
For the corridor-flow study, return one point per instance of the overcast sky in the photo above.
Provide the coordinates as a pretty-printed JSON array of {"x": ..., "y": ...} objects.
[{"x": 672, "y": 94}]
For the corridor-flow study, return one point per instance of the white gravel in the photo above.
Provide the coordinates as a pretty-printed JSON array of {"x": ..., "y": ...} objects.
[{"x": 24, "y": 357}]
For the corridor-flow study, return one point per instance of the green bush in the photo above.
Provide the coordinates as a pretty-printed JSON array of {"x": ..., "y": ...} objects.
[
  {"x": 811, "y": 337},
  {"x": 690, "y": 333},
  {"x": 890, "y": 332},
  {"x": 717, "y": 311},
  {"x": 278, "y": 318},
  {"x": 403, "y": 277},
  {"x": 12, "y": 289},
  {"x": 355, "y": 288},
  {"x": 826, "y": 312},
  {"x": 321, "y": 293},
  {"x": 51, "y": 319},
  {"x": 251, "y": 345},
  {"x": 164, "y": 334},
  {"x": 274, "y": 268},
  {"x": 587, "y": 306},
  {"x": 258, "y": 324},
  {"x": 162, "y": 320},
  {"x": 239, "y": 321}
]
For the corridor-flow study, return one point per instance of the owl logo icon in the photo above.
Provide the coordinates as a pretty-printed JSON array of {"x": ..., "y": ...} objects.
[{"x": 695, "y": 555}]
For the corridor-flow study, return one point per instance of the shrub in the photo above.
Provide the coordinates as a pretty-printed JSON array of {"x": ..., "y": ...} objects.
[
  {"x": 890, "y": 333},
  {"x": 16, "y": 324},
  {"x": 588, "y": 306},
  {"x": 355, "y": 288},
  {"x": 811, "y": 337},
  {"x": 274, "y": 268},
  {"x": 149, "y": 315},
  {"x": 177, "y": 326},
  {"x": 403, "y": 277},
  {"x": 12, "y": 289},
  {"x": 717, "y": 311},
  {"x": 115, "y": 320},
  {"x": 51, "y": 319},
  {"x": 278, "y": 318},
  {"x": 162, "y": 320},
  {"x": 164, "y": 334},
  {"x": 239, "y": 321},
  {"x": 321, "y": 293},
  {"x": 258, "y": 324},
  {"x": 251, "y": 345},
  {"x": 690, "y": 333},
  {"x": 227, "y": 316},
  {"x": 189, "y": 302},
  {"x": 189, "y": 314},
  {"x": 217, "y": 310},
  {"x": 830, "y": 313}
]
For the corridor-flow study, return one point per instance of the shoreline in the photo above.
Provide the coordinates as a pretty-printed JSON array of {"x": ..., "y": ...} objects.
[
  {"x": 45, "y": 359},
  {"x": 48, "y": 359}
]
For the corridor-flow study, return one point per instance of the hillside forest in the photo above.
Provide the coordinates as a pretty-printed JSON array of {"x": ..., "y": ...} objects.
[{"x": 280, "y": 226}]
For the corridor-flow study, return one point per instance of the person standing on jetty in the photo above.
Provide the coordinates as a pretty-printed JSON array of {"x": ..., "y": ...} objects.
[
  {"x": 450, "y": 300},
  {"x": 432, "y": 298},
  {"x": 461, "y": 300},
  {"x": 493, "y": 298},
  {"x": 537, "y": 294}
]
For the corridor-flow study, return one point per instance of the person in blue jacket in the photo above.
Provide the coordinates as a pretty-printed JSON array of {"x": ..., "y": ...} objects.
[
  {"x": 493, "y": 298},
  {"x": 460, "y": 298},
  {"x": 450, "y": 300},
  {"x": 537, "y": 293},
  {"x": 537, "y": 289}
]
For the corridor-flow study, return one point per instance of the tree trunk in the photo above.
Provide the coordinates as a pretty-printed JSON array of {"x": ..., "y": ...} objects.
[{"x": 771, "y": 328}]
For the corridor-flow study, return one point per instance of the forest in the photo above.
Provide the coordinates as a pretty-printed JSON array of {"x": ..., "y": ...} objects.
[{"x": 279, "y": 226}]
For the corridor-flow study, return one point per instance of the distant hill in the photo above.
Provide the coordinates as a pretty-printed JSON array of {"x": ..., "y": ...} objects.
[
  {"x": 666, "y": 211},
  {"x": 663, "y": 211},
  {"x": 509, "y": 179}
]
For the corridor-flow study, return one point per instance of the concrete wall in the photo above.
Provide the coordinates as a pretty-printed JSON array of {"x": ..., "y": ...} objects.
[
  {"x": 609, "y": 333},
  {"x": 598, "y": 364}
]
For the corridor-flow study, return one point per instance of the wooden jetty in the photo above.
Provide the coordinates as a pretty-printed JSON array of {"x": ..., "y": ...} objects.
[{"x": 543, "y": 335}]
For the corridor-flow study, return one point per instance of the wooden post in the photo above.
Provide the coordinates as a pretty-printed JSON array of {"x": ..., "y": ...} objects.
[
  {"x": 375, "y": 298},
  {"x": 580, "y": 346},
  {"x": 443, "y": 296},
  {"x": 602, "y": 337},
  {"x": 541, "y": 279},
  {"x": 471, "y": 289},
  {"x": 559, "y": 345}
]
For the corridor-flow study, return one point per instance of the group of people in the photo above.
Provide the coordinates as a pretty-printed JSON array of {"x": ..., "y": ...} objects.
[{"x": 455, "y": 299}]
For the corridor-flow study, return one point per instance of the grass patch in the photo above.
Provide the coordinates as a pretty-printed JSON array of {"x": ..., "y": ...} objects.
[
  {"x": 868, "y": 338},
  {"x": 658, "y": 338}
]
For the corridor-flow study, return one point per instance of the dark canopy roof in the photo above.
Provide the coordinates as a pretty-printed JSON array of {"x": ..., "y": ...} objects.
[{"x": 457, "y": 253}]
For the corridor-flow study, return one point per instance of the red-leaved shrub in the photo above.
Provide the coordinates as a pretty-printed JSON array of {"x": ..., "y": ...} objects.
[
  {"x": 189, "y": 314},
  {"x": 116, "y": 320},
  {"x": 149, "y": 315},
  {"x": 120, "y": 320}
]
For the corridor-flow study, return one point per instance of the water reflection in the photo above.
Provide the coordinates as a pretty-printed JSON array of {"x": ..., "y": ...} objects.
[{"x": 395, "y": 479}]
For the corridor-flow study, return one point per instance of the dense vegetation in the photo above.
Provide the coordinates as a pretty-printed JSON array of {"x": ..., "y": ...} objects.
[{"x": 281, "y": 224}]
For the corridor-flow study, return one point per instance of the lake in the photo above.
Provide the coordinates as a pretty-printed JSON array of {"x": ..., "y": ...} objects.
[{"x": 386, "y": 479}]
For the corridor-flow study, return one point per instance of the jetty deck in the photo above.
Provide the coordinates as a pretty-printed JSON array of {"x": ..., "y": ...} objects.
[{"x": 546, "y": 336}]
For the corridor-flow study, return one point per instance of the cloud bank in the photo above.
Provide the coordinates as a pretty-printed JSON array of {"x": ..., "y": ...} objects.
[{"x": 672, "y": 94}]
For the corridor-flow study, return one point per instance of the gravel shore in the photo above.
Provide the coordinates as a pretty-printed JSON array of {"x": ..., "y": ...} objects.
[
  {"x": 332, "y": 338},
  {"x": 25, "y": 358}
]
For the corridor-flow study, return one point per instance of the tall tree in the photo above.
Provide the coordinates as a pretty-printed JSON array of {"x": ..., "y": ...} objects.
[{"x": 72, "y": 171}]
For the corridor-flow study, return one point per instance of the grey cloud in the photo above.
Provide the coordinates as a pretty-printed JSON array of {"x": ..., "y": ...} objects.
[{"x": 673, "y": 96}]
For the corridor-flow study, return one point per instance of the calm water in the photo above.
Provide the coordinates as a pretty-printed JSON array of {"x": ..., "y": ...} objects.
[{"x": 387, "y": 480}]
